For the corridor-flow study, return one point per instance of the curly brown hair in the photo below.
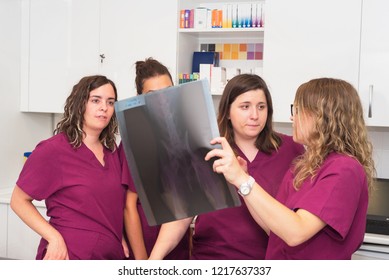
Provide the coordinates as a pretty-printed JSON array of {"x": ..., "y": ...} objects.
[{"x": 73, "y": 118}]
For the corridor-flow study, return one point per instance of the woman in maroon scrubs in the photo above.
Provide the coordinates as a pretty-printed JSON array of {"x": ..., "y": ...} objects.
[
  {"x": 245, "y": 119},
  {"x": 78, "y": 174}
]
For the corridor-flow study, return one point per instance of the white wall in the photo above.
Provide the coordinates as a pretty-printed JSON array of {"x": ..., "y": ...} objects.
[
  {"x": 380, "y": 139},
  {"x": 20, "y": 132}
]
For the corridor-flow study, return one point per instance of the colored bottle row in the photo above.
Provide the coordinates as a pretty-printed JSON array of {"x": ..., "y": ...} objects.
[{"x": 239, "y": 15}]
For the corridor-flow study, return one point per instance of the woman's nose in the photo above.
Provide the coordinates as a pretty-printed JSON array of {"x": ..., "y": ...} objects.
[
  {"x": 254, "y": 113},
  {"x": 104, "y": 106}
]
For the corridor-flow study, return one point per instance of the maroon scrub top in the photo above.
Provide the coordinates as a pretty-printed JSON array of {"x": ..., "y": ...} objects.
[
  {"x": 232, "y": 233},
  {"x": 84, "y": 199},
  {"x": 338, "y": 195}
]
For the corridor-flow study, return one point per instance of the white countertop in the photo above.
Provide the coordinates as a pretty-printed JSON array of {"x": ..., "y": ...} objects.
[
  {"x": 5, "y": 197},
  {"x": 377, "y": 239}
]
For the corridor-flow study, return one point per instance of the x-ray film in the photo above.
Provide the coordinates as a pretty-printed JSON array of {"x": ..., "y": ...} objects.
[{"x": 166, "y": 135}]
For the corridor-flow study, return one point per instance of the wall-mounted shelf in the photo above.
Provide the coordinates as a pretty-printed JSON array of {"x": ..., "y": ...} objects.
[
  {"x": 190, "y": 40},
  {"x": 243, "y": 33}
]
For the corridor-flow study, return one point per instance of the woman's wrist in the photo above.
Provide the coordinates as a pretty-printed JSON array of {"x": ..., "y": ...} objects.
[
  {"x": 244, "y": 178},
  {"x": 54, "y": 236}
]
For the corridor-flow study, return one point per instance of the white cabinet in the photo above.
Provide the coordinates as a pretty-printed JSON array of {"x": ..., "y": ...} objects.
[
  {"x": 190, "y": 39},
  {"x": 22, "y": 241},
  {"x": 64, "y": 40},
  {"x": 135, "y": 30},
  {"x": 3, "y": 230},
  {"x": 374, "y": 65},
  {"x": 60, "y": 44},
  {"x": 307, "y": 39}
]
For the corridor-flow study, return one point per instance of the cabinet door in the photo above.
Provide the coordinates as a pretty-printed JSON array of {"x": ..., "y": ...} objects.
[
  {"x": 309, "y": 39},
  {"x": 60, "y": 44},
  {"x": 135, "y": 30},
  {"x": 22, "y": 241},
  {"x": 373, "y": 86},
  {"x": 3, "y": 230}
]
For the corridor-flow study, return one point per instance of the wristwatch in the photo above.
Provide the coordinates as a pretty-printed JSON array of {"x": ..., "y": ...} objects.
[{"x": 246, "y": 187}]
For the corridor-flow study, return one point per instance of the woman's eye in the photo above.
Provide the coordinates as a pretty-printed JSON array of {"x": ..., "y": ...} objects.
[{"x": 262, "y": 107}]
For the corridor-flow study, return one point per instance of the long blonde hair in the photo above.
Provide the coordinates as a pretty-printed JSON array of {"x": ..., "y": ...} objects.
[{"x": 339, "y": 126}]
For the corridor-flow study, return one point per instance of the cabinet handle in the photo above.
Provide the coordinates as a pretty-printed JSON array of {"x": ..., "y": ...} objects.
[
  {"x": 102, "y": 57},
  {"x": 370, "y": 113}
]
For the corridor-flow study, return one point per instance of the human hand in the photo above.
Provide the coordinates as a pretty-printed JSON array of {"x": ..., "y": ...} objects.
[
  {"x": 125, "y": 248},
  {"x": 56, "y": 250},
  {"x": 234, "y": 169},
  {"x": 242, "y": 163}
]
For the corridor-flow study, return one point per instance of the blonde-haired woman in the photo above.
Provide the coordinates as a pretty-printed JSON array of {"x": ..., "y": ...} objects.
[{"x": 320, "y": 210}]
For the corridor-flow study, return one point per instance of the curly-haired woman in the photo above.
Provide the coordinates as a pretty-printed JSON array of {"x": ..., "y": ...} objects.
[
  {"x": 320, "y": 210},
  {"x": 78, "y": 174}
]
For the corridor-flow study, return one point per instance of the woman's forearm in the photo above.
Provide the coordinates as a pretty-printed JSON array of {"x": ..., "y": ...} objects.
[{"x": 169, "y": 236}]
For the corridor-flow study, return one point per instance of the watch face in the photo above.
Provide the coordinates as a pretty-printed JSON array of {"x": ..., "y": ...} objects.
[{"x": 245, "y": 190}]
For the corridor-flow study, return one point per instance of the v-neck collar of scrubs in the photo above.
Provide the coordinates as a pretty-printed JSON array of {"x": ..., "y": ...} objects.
[
  {"x": 93, "y": 157},
  {"x": 245, "y": 157}
]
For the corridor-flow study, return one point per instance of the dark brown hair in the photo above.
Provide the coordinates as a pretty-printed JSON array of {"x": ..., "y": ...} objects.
[
  {"x": 147, "y": 69},
  {"x": 268, "y": 140},
  {"x": 73, "y": 118}
]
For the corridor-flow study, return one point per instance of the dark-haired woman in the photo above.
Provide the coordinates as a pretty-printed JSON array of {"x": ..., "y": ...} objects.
[
  {"x": 245, "y": 120},
  {"x": 151, "y": 75},
  {"x": 78, "y": 174}
]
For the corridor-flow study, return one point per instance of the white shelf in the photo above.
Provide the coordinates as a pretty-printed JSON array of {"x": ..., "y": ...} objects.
[
  {"x": 191, "y": 39},
  {"x": 223, "y": 32}
]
